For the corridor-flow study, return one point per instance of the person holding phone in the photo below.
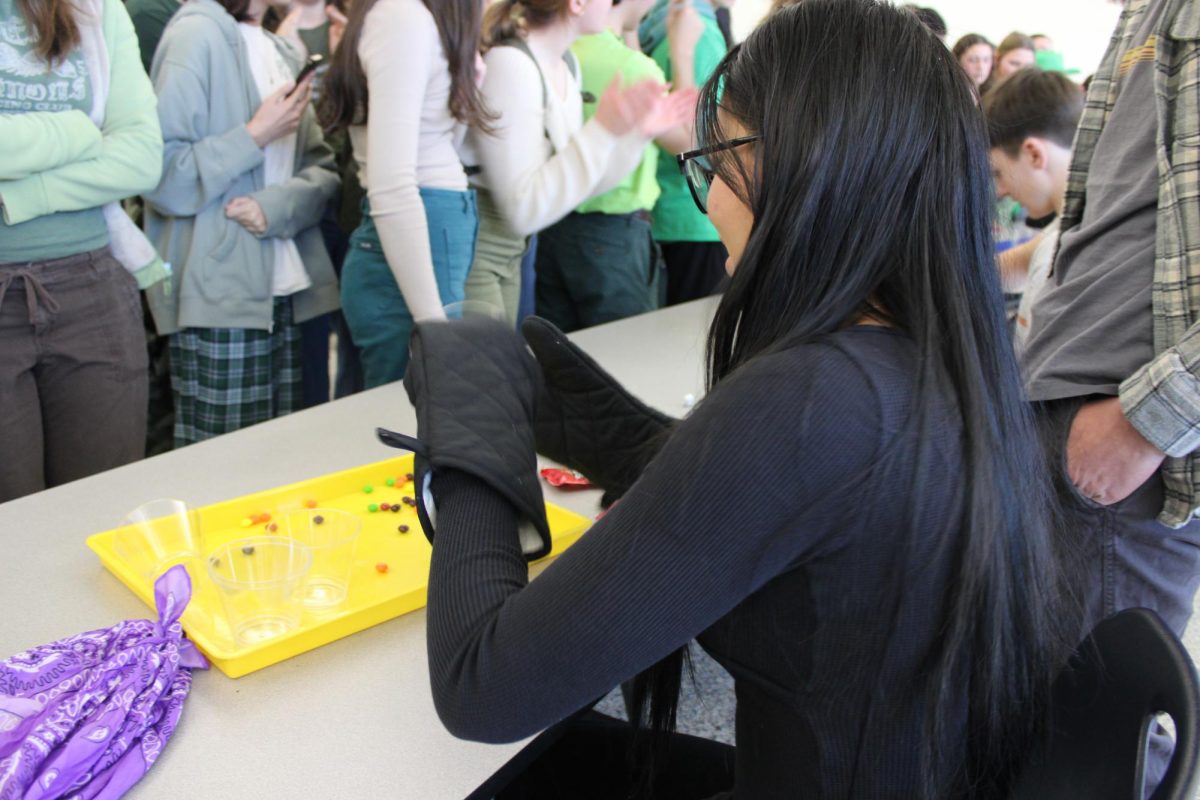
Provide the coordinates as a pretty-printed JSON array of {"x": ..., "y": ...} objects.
[{"x": 246, "y": 178}]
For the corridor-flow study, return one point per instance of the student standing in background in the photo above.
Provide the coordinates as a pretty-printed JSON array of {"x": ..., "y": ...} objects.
[
  {"x": 692, "y": 251},
  {"x": 404, "y": 84},
  {"x": 247, "y": 176},
  {"x": 975, "y": 54},
  {"x": 1032, "y": 118},
  {"x": 539, "y": 160},
  {"x": 601, "y": 263},
  {"x": 72, "y": 347}
]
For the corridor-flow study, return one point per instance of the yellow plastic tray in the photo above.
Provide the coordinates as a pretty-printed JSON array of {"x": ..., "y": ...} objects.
[{"x": 373, "y": 597}]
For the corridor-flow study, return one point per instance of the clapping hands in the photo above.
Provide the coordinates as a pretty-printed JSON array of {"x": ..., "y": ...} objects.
[{"x": 644, "y": 108}]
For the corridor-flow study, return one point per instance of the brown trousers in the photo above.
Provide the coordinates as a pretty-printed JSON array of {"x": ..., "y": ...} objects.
[{"x": 73, "y": 371}]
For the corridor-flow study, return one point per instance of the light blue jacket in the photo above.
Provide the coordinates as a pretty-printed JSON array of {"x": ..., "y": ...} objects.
[{"x": 222, "y": 273}]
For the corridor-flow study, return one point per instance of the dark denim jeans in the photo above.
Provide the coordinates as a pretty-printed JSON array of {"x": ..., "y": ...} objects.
[{"x": 375, "y": 311}]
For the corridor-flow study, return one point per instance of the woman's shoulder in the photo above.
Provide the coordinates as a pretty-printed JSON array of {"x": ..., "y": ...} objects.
[
  {"x": 851, "y": 358},
  {"x": 512, "y": 59}
]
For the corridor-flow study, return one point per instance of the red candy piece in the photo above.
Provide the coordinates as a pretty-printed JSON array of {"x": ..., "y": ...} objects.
[
  {"x": 381, "y": 567},
  {"x": 565, "y": 478},
  {"x": 272, "y": 527}
]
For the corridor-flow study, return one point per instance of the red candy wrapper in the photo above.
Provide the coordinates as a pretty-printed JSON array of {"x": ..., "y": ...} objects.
[{"x": 565, "y": 479}]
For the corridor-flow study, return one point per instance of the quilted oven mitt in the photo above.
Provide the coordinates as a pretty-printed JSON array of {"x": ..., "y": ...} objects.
[
  {"x": 473, "y": 385},
  {"x": 585, "y": 419}
]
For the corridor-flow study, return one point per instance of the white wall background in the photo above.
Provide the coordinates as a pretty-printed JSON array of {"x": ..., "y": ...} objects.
[{"x": 1080, "y": 28}]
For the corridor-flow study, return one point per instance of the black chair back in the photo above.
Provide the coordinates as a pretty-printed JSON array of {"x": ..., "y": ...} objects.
[{"x": 1129, "y": 669}]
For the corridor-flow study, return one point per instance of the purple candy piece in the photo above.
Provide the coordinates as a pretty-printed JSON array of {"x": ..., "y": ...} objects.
[{"x": 86, "y": 717}]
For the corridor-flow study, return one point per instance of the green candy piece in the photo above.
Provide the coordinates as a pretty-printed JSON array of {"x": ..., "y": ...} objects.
[
  {"x": 368, "y": 488},
  {"x": 391, "y": 481},
  {"x": 373, "y": 507}
]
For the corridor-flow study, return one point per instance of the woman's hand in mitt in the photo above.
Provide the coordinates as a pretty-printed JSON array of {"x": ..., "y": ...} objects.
[
  {"x": 474, "y": 384},
  {"x": 585, "y": 419}
]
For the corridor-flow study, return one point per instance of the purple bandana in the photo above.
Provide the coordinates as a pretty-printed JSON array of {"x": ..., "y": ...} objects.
[{"x": 86, "y": 717}]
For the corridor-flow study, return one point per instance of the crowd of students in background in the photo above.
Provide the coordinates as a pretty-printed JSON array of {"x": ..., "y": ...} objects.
[
  {"x": 435, "y": 159},
  {"x": 522, "y": 163}
]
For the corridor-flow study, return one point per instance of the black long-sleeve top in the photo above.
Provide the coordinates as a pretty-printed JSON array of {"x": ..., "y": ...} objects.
[{"x": 774, "y": 526}]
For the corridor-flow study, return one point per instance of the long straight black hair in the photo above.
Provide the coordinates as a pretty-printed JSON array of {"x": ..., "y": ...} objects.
[
  {"x": 872, "y": 195},
  {"x": 344, "y": 97}
]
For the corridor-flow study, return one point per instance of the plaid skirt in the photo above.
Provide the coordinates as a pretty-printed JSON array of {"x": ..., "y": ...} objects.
[{"x": 226, "y": 379}]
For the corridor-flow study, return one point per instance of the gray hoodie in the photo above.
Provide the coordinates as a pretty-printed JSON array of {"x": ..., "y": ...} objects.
[{"x": 221, "y": 273}]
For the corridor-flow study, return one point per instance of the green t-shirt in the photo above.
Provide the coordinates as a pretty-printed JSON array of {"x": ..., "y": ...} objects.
[
  {"x": 601, "y": 57},
  {"x": 676, "y": 218},
  {"x": 27, "y": 85}
]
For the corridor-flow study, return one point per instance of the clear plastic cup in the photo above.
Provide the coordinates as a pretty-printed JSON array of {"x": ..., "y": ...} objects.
[
  {"x": 260, "y": 581},
  {"x": 158, "y": 535},
  {"x": 331, "y": 535}
]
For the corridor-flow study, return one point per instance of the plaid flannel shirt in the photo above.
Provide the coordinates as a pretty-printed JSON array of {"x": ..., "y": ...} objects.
[{"x": 1161, "y": 399}]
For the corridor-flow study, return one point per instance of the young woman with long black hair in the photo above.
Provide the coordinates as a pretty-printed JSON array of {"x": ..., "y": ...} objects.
[
  {"x": 404, "y": 84},
  {"x": 854, "y": 521}
]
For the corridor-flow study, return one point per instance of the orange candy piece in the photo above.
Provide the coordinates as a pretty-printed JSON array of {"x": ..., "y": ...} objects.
[
  {"x": 381, "y": 567},
  {"x": 310, "y": 503}
]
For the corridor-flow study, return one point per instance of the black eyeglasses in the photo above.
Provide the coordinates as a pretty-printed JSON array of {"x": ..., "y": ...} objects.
[{"x": 698, "y": 171}]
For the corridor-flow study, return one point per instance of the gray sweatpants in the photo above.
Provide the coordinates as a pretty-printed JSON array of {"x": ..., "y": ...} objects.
[{"x": 73, "y": 371}]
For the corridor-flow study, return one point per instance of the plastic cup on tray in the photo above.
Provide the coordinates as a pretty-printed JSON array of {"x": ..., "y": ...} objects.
[
  {"x": 158, "y": 535},
  {"x": 331, "y": 535},
  {"x": 261, "y": 580}
]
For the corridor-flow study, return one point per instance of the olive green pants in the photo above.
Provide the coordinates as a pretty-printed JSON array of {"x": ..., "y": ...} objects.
[{"x": 495, "y": 276}]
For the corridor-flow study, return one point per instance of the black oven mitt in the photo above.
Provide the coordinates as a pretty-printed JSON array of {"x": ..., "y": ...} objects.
[
  {"x": 473, "y": 385},
  {"x": 585, "y": 419}
]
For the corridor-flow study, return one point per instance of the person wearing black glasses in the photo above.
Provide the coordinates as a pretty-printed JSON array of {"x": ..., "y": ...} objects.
[{"x": 853, "y": 521}]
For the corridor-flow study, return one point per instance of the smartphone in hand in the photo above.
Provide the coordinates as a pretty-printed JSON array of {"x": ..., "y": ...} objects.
[{"x": 312, "y": 63}]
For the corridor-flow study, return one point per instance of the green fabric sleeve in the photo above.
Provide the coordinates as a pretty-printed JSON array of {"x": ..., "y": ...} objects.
[
  {"x": 42, "y": 140},
  {"x": 129, "y": 161}
]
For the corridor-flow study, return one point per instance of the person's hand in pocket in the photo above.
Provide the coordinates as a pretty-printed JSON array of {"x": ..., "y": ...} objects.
[{"x": 1107, "y": 458}]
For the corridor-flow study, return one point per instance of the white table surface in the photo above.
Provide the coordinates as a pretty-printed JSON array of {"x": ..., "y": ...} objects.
[{"x": 353, "y": 718}]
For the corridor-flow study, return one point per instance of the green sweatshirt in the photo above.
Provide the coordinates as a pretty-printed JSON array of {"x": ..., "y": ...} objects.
[{"x": 57, "y": 169}]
